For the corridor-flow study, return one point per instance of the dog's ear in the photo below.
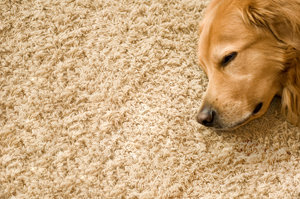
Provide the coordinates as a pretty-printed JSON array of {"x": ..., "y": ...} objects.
[
  {"x": 291, "y": 87},
  {"x": 282, "y": 19}
]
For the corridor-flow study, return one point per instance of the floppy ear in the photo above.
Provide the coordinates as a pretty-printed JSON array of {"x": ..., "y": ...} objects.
[
  {"x": 279, "y": 17},
  {"x": 291, "y": 88},
  {"x": 282, "y": 20}
]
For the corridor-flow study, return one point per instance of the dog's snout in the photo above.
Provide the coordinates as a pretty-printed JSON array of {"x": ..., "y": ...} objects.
[{"x": 206, "y": 117}]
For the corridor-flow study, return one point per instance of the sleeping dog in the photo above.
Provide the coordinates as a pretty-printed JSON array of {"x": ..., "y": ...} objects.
[{"x": 250, "y": 51}]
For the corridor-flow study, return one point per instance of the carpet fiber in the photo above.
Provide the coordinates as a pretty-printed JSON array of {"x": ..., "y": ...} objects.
[{"x": 98, "y": 100}]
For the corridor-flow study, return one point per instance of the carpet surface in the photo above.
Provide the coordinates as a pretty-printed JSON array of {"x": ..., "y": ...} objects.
[{"x": 98, "y": 100}]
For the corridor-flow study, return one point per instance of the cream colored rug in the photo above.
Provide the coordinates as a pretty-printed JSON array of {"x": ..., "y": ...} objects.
[{"x": 98, "y": 100}]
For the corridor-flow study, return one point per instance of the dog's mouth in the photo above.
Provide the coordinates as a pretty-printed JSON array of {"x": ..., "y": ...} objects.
[
  {"x": 257, "y": 108},
  {"x": 242, "y": 122},
  {"x": 233, "y": 126}
]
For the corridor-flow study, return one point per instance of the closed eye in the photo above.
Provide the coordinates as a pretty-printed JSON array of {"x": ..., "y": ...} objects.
[{"x": 228, "y": 58}]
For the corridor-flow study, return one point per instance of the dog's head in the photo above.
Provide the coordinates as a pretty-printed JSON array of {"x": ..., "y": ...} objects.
[{"x": 246, "y": 48}]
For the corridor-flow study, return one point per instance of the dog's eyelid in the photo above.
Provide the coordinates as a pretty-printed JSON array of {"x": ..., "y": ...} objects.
[{"x": 228, "y": 58}]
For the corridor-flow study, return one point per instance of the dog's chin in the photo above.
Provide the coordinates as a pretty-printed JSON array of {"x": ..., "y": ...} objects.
[{"x": 232, "y": 126}]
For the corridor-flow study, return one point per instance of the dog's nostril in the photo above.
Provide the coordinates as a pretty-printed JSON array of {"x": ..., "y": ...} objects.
[
  {"x": 257, "y": 108},
  {"x": 206, "y": 117}
]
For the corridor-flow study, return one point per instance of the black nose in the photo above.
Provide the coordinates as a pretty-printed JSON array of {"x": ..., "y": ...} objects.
[{"x": 206, "y": 116}]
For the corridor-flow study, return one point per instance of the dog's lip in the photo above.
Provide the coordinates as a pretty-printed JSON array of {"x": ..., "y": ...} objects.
[
  {"x": 242, "y": 122},
  {"x": 234, "y": 126}
]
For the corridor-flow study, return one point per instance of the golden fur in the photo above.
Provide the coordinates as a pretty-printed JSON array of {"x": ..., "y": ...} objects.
[{"x": 250, "y": 51}]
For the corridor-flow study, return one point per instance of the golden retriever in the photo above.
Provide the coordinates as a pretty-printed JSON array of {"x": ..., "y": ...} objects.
[{"x": 250, "y": 51}]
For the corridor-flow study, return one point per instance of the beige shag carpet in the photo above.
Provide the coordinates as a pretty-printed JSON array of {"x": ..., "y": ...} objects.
[{"x": 98, "y": 100}]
